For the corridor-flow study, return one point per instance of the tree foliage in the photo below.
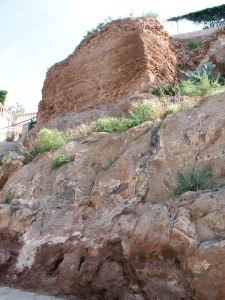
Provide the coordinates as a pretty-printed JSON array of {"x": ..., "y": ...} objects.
[
  {"x": 3, "y": 95},
  {"x": 209, "y": 17},
  {"x": 17, "y": 109}
]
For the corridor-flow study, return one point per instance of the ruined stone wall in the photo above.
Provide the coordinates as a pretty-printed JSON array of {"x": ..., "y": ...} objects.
[{"x": 128, "y": 56}]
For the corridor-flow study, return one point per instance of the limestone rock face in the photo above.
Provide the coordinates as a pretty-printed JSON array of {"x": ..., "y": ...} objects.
[
  {"x": 103, "y": 226},
  {"x": 127, "y": 57}
]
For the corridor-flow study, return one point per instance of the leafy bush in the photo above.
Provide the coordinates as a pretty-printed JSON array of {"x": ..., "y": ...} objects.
[
  {"x": 198, "y": 83},
  {"x": 50, "y": 139},
  {"x": 198, "y": 88},
  {"x": 142, "y": 111},
  {"x": 191, "y": 181},
  {"x": 60, "y": 160},
  {"x": 210, "y": 17},
  {"x": 166, "y": 89},
  {"x": 139, "y": 113},
  {"x": 205, "y": 70},
  {"x": 3, "y": 95}
]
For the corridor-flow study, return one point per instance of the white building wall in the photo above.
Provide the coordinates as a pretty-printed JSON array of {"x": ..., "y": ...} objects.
[
  {"x": 9, "y": 127},
  {"x": 3, "y": 130}
]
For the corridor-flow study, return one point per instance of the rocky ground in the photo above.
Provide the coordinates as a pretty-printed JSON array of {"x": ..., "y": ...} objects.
[{"x": 104, "y": 226}]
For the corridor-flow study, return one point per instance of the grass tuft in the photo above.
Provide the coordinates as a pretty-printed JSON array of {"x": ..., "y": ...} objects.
[
  {"x": 200, "y": 88},
  {"x": 191, "y": 181},
  {"x": 59, "y": 161},
  {"x": 142, "y": 111},
  {"x": 111, "y": 124}
]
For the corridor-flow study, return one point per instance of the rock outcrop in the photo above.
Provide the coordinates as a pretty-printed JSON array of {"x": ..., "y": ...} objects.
[
  {"x": 127, "y": 57},
  {"x": 104, "y": 226}
]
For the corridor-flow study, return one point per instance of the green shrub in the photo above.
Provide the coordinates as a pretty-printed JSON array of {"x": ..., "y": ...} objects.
[
  {"x": 59, "y": 161},
  {"x": 170, "y": 110},
  {"x": 198, "y": 88},
  {"x": 191, "y": 181},
  {"x": 111, "y": 124},
  {"x": 142, "y": 111},
  {"x": 139, "y": 113},
  {"x": 188, "y": 88},
  {"x": 50, "y": 139},
  {"x": 3, "y": 95},
  {"x": 192, "y": 45},
  {"x": 166, "y": 90}
]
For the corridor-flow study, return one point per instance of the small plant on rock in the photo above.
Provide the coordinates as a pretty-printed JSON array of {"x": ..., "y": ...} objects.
[
  {"x": 107, "y": 165},
  {"x": 170, "y": 110},
  {"x": 50, "y": 139},
  {"x": 191, "y": 181},
  {"x": 7, "y": 199},
  {"x": 59, "y": 161},
  {"x": 166, "y": 90},
  {"x": 111, "y": 124},
  {"x": 192, "y": 45},
  {"x": 200, "y": 88},
  {"x": 142, "y": 111}
]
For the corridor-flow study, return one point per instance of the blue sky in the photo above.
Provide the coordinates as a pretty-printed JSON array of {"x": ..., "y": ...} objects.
[{"x": 35, "y": 34}]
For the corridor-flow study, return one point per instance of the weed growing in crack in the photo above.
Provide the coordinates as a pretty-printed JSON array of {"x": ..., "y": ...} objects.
[
  {"x": 191, "y": 181},
  {"x": 7, "y": 199},
  {"x": 59, "y": 161}
]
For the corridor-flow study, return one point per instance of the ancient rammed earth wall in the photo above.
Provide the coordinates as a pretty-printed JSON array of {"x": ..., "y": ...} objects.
[{"x": 128, "y": 56}]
